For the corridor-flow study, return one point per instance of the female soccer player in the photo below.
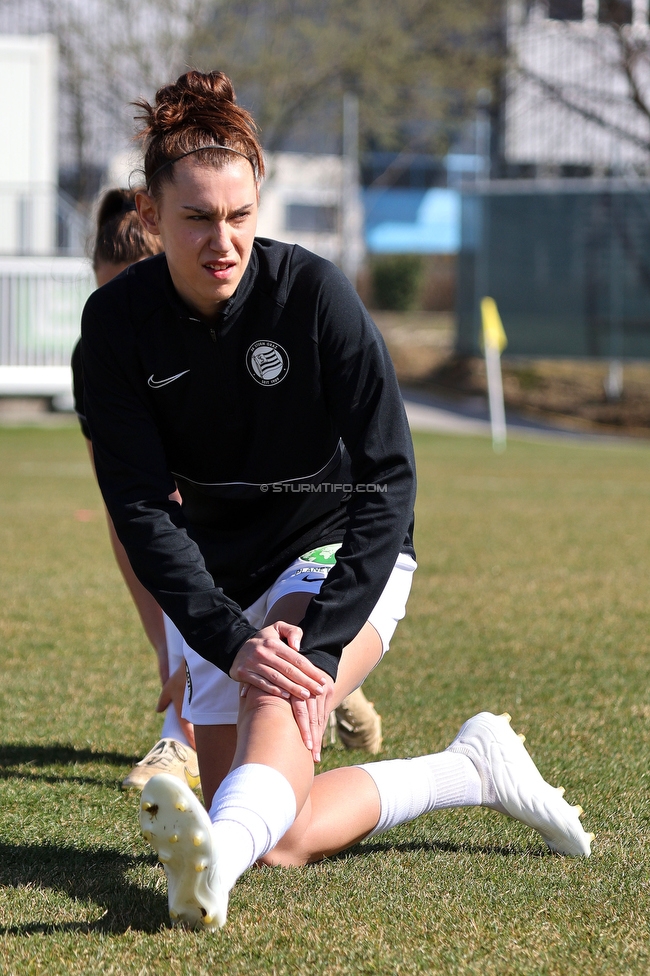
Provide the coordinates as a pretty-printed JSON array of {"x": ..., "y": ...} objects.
[
  {"x": 248, "y": 372},
  {"x": 121, "y": 240}
]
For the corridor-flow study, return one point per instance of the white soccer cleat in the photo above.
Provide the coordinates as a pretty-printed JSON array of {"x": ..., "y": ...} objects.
[
  {"x": 178, "y": 827},
  {"x": 513, "y": 785}
]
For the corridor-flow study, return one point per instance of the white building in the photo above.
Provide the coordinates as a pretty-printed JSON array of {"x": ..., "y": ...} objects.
[
  {"x": 569, "y": 101},
  {"x": 28, "y": 136},
  {"x": 41, "y": 294},
  {"x": 315, "y": 201},
  {"x": 109, "y": 55}
]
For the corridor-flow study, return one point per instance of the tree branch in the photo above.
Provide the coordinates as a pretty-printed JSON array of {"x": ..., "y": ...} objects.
[
  {"x": 630, "y": 53},
  {"x": 558, "y": 95}
]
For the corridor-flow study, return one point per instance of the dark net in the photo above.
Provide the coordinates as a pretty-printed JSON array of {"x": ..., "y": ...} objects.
[{"x": 569, "y": 270}]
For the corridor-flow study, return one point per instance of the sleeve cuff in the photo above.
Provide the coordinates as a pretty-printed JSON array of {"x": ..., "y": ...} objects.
[
  {"x": 224, "y": 654},
  {"x": 328, "y": 663}
]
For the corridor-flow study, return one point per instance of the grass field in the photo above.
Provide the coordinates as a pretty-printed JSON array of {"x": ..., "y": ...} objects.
[{"x": 532, "y": 597}]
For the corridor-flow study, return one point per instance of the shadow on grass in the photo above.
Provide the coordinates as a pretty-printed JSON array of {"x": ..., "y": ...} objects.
[
  {"x": 13, "y": 759},
  {"x": 57, "y": 754},
  {"x": 438, "y": 847},
  {"x": 97, "y": 876}
]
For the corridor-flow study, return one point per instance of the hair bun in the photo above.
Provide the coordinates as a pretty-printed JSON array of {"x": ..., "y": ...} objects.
[
  {"x": 215, "y": 84},
  {"x": 195, "y": 99},
  {"x": 197, "y": 111}
]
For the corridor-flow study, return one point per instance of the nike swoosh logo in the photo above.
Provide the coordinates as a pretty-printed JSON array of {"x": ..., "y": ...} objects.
[{"x": 154, "y": 384}]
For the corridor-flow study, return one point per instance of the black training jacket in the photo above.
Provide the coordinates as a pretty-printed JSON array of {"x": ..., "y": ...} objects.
[{"x": 281, "y": 423}]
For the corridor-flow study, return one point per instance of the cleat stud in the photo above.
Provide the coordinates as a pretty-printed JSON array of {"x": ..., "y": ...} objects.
[
  {"x": 173, "y": 839},
  {"x": 521, "y": 737},
  {"x": 181, "y": 806},
  {"x": 200, "y": 866},
  {"x": 147, "y": 835},
  {"x": 172, "y": 913},
  {"x": 197, "y": 840},
  {"x": 507, "y": 716},
  {"x": 578, "y": 809},
  {"x": 207, "y": 919},
  {"x": 164, "y": 859},
  {"x": 146, "y": 806},
  {"x": 560, "y": 790},
  {"x": 591, "y": 836}
]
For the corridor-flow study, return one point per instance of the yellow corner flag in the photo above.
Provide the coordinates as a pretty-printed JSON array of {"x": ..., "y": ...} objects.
[{"x": 494, "y": 336}]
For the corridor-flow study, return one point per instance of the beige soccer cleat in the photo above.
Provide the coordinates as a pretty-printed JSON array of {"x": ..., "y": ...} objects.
[
  {"x": 513, "y": 785},
  {"x": 177, "y": 826},
  {"x": 358, "y": 724},
  {"x": 167, "y": 756}
]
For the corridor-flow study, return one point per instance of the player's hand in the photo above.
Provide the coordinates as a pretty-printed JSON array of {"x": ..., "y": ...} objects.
[
  {"x": 172, "y": 694},
  {"x": 311, "y": 716},
  {"x": 271, "y": 662}
]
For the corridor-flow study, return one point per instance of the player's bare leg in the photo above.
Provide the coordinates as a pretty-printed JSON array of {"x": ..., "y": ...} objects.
[
  {"x": 215, "y": 747},
  {"x": 216, "y": 744}
]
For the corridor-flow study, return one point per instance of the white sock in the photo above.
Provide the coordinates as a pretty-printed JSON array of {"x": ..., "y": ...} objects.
[
  {"x": 410, "y": 787},
  {"x": 252, "y": 809},
  {"x": 172, "y": 728}
]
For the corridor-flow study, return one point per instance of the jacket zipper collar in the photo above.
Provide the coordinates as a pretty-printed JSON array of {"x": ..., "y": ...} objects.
[{"x": 234, "y": 303}]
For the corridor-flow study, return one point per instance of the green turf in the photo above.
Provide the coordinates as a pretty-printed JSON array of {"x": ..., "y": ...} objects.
[{"x": 532, "y": 596}]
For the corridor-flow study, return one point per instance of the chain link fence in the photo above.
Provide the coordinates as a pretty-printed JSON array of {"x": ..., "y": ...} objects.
[{"x": 568, "y": 264}]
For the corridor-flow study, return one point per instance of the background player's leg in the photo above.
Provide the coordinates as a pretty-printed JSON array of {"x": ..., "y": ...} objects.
[
  {"x": 174, "y": 753},
  {"x": 175, "y": 727}
]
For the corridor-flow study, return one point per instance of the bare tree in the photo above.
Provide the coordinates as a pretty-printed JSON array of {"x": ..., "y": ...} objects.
[
  {"x": 111, "y": 52},
  {"x": 415, "y": 65},
  {"x": 588, "y": 80}
]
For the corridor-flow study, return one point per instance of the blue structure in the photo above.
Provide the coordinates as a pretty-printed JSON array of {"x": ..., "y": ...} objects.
[{"x": 411, "y": 221}]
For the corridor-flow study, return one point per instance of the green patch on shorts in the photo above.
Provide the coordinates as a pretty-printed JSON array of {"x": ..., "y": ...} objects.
[{"x": 325, "y": 555}]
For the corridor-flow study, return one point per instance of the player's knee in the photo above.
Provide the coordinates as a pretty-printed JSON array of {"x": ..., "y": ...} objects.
[{"x": 259, "y": 701}]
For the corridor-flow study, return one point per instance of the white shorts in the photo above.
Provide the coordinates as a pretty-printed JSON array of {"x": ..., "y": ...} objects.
[{"x": 212, "y": 697}]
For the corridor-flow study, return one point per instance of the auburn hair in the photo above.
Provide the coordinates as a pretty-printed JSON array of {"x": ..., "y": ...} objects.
[
  {"x": 120, "y": 237},
  {"x": 191, "y": 115}
]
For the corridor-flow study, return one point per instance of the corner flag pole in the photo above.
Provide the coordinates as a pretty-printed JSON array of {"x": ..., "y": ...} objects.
[{"x": 494, "y": 342}]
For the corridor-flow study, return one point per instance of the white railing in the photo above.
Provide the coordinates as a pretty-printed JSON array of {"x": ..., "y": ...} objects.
[
  {"x": 41, "y": 219},
  {"x": 41, "y": 300}
]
